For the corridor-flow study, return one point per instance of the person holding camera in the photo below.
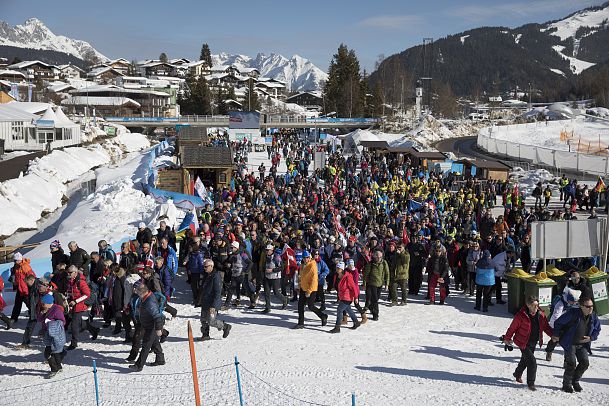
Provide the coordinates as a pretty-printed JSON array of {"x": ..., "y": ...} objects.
[
  {"x": 527, "y": 330},
  {"x": 575, "y": 330}
]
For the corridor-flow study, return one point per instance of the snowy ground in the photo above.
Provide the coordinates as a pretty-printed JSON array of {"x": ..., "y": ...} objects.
[
  {"x": 414, "y": 355},
  {"x": 585, "y": 135}
]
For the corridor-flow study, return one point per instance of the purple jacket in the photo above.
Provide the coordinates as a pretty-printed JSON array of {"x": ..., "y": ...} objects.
[{"x": 54, "y": 313}]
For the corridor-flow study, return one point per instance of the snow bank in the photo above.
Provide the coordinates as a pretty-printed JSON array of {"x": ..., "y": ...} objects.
[
  {"x": 527, "y": 180},
  {"x": 24, "y": 200}
]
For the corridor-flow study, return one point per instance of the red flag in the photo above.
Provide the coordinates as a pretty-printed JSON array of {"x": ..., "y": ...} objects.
[{"x": 289, "y": 257}]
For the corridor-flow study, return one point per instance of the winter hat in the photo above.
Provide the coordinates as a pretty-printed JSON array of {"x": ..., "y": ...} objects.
[
  {"x": 48, "y": 299},
  {"x": 270, "y": 247},
  {"x": 235, "y": 244},
  {"x": 306, "y": 254},
  {"x": 486, "y": 254},
  {"x": 17, "y": 256},
  {"x": 350, "y": 262},
  {"x": 141, "y": 225},
  {"x": 55, "y": 244},
  {"x": 571, "y": 295},
  {"x": 340, "y": 265}
]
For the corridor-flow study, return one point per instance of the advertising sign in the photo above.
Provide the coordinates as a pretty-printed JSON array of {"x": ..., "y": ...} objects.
[{"x": 243, "y": 120}]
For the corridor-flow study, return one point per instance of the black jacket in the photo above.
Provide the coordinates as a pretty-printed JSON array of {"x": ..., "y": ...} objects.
[
  {"x": 59, "y": 257},
  {"x": 210, "y": 291},
  {"x": 80, "y": 259},
  {"x": 128, "y": 261},
  {"x": 154, "y": 283},
  {"x": 144, "y": 236},
  {"x": 118, "y": 294}
]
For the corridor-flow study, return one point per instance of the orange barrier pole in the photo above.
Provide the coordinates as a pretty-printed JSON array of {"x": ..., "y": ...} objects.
[{"x": 193, "y": 363}]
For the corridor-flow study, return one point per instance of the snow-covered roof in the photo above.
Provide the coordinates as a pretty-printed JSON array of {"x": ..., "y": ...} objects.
[
  {"x": 101, "y": 70},
  {"x": 62, "y": 118},
  {"x": 232, "y": 101},
  {"x": 31, "y": 107},
  {"x": 57, "y": 87},
  {"x": 63, "y": 67},
  {"x": 49, "y": 115},
  {"x": 270, "y": 84},
  {"x": 8, "y": 72},
  {"x": 26, "y": 64},
  {"x": 116, "y": 89},
  {"x": 99, "y": 101},
  {"x": 10, "y": 112}
]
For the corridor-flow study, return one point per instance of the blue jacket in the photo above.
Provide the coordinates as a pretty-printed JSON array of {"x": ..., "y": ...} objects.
[
  {"x": 210, "y": 291},
  {"x": 485, "y": 273},
  {"x": 55, "y": 336},
  {"x": 108, "y": 253},
  {"x": 566, "y": 325},
  {"x": 166, "y": 280},
  {"x": 149, "y": 312},
  {"x": 322, "y": 272},
  {"x": 172, "y": 260},
  {"x": 195, "y": 262}
]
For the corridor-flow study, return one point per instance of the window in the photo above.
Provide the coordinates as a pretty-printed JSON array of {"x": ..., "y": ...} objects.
[
  {"x": 45, "y": 136},
  {"x": 17, "y": 130}
]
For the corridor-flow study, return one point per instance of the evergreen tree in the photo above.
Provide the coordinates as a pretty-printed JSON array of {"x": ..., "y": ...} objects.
[
  {"x": 251, "y": 97},
  {"x": 205, "y": 55},
  {"x": 196, "y": 96},
  {"x": 163, "y": 57},
  {"x": 342, "y": 91},
  {"x": 221, "y": 101},
  {"x": 132, "y": 69}
]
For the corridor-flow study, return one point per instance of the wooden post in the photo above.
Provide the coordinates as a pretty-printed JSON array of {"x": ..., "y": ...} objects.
[{"x": 193, "y": 363}]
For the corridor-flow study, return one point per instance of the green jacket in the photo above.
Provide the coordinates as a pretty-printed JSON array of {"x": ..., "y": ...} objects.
[
  {"x": 402, "y": 262},
  {"x": 376, "y": 274}
]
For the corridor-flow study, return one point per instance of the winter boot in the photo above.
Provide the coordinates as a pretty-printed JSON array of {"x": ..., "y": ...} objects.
[
  {"x": 356, "y": 325},
  {"x": 548, "y": 356},
  {"x": 567, "y": 388},
  {"x": 226, "y": 330},
  {"x": 133, "y": 355},
  {"x": 6, "y": 320},
  {"x": 324, "y": 320},
  {"x": 577, "y": 387},
  {"x": 335, "y": 330},
  {"x": 345, "y": 320},
  {"x": 393, "y": 303},
  {"x": 159, "y": 360},
  {"x": 285, "y": 303},
  {"x": 364, "y": 318},
  {"x": 164, "y": 336}
]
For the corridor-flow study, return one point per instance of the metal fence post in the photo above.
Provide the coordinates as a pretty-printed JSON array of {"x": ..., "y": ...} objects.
[
  {"x": 96, "y": 385},
  {"x": 239, "y": 381},
  {"x": 353, "y": 399}
]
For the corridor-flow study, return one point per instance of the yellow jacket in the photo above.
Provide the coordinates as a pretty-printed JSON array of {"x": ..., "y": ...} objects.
[{"x": 308, "y": 277}]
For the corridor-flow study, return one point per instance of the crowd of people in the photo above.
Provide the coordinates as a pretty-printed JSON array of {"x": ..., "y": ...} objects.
[{"x": 370, "y": 228}]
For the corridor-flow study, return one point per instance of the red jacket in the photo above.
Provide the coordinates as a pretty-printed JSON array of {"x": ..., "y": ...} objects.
[
  {"x": 520, "y": 328},
  {"x": 346, "y": 288},
  {"x": 2, "y": 302},
  {"x": 78, "y": 291},
  {"x": 19, "y": 273}
]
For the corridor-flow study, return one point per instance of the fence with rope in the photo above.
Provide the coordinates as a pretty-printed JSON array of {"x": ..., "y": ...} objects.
[{"x": 229, "y": 384}]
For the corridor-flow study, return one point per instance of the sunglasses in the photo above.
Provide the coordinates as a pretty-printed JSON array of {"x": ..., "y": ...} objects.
[{"x": 588, "y": 306}]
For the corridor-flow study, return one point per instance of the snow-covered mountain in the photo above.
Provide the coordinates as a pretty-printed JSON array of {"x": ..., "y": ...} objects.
[
  {"x": 34, "y": 34},
  {"x": 297, "y": 72}
]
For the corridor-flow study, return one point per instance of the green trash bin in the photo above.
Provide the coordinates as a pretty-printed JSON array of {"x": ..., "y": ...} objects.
[
  {"x": 543, "y": 288},
  {"x": 597, "y": 280},
  {"x": 515, "y": 283}
]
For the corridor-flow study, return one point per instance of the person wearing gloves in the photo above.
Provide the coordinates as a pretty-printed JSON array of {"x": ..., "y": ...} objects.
[
  {"x": 485, "y": 279},
  {"x": 527, "y": 330},
  {"x": 568, "y": 300},
  {"x": 52, "y": 320},
  {"x": 347, "y": 292},
  {"x": 308, "y": 286}
]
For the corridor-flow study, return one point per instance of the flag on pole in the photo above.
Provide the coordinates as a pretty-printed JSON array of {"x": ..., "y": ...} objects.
[
  {"x": 201, "y": 191},
  {"x": 189, "y": 222}
]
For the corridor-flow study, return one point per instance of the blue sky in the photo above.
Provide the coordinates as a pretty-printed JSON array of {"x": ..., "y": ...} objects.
[{"x": 136, "y": 29}]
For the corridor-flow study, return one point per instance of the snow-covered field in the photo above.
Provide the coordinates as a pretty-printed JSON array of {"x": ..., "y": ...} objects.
[
  {"x": 431, "y": 355},
  {"x": 584, "y": 134}
]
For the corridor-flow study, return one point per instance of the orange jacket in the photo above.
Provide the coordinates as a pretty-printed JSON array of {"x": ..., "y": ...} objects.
[
  {"x": 308, "y": 277},
  {"x": 19, "y": 272}
]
